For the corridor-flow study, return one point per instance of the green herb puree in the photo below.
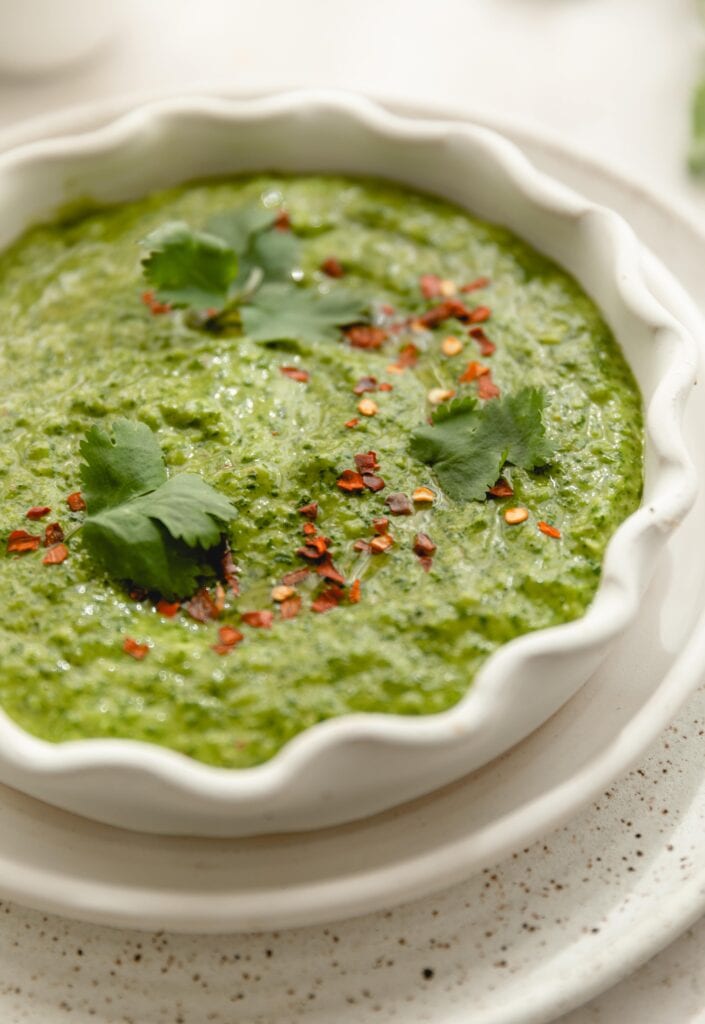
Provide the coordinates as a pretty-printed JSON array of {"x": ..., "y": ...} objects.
[{"x": 79, "y": 348}]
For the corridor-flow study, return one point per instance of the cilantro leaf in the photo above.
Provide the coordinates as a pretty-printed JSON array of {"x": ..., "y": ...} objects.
[
  {"x": 189, "y": 268},
  {"x": 249, "y": 232},
  {"x": 468, "y": 443},
  {"x": 140, "y": 524},
  {"x": 281, "y": 312}
]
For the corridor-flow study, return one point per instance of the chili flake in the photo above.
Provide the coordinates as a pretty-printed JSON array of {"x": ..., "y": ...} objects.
[
  {"x": 447, "y": 310},
  {"x": 351, "y": 424},
  {"x": 230, "y": 571},
  {"x": 333, "y": 267},
  {"x": 327, "y": 600},
  {"x": 480, "y": 314},
  {"x": 282, "y": 221},
  {"x": 423, "y": 545},
  {"x": 487, "y": 347},
  {"x": 486, "y": 387},
  {"x": 372, "y": 482},
  {"x": 314, "y": 548},
  {"x": 362, "y": 545},
  {"x": 258, "y": 620},
  {"x": 20, "y": 542},
  {"x": 501, "y": 489},
  {"x": 309, "y": 511},
  {"x": 408, "y": 356},
  {"x": 365, "y": 384},
  {"x": 280, "y": 593},
  {"x": 37, "y": 512},
  {"x": 367, "y": 407},
  {"x": 366, "y": 461},
  {"x": 229, "y": 636},
  {"x": 473, "y": 286},
  {"x": 430, "y": 285},
  {"x": 514, "y": 516},
  {"x": 168, "y": 608},
  {"x": 354, "y": 594},
  {"x": 473, "y": 371},
  {"x": 424, "y": 496},
  {"x": 437, "y": 396},
  {"x": 56, "y": 554},
  {"x": 309, "y": 529},
  {"x": 291, "y": 607},
  {"x": 291, "y": 579},
  {"x": 202, "y": 607},
  {"x": 155, "y": 307},
  {"x": 398, "y": 504},
  {"x": 426, "y": 562},
  {"x": 328, "y": 571},
  {"x": 134, "y": 649},
  {"x": 366, "y": 336},
  {"x": 386, "y": 386},
  {"x": 53, "y": 534},
  {"x": 303, "y": 376},
  {"x": 550, "y": 531},
  {"x": 351, "y": 482},
  {"x": 381, "y": 543},
  {"x": 380, "y": 525},
  {"x": 75, "y": 502}
]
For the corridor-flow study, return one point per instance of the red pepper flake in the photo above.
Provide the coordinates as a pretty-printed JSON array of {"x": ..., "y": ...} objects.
[
  {"x": 202, "y": 607},
  {"x": 230, "y": 571},
  {"x": 168, "y": 608},
  {"x": 291, "y": 579},
  {"x": 291, "y": 607},
  {"x": 229, "y": 636},
  {"x": 480, "y": 314},
  {"x": 37, "y": 512},
  {"x": 399, "y": 504},
  {"x": 366, "y": 336},
  {"x": 450, "y": 309},
  {"x": 423, "y": 545},
  {"x": 316, "y": 547},
  {"x": 362, "y": 545},
  {"x": 380, "y": 525},
  {"x": 426, "y": 562},
  {"x": 309, "y": 529},
  {"x": 327, "y": 600},
  {"x": 53, "y": 534},
  {"x": 328, "y": 571},
  {"x": 487, "y": 347},
  {"x": 408, "y": 356},
  {"x": 354, "y": 594},
  {"x": 134, "y": 649},
  {"x": 282, "y": 221},
  {"x": 472, "y": 372},
  {"x": 309, "y": 511},
  {"x": 550, "y": 531},
  {"x": 155, "y": 307},
  {"x": 20, "y": 541},
  {"x": 473, "y": 286},
  {"x": 501, "y": 489},
  {"x": 303, "y": 376},
  {"x": 56, "y": 555},
  {"x": 75, "y": 502},
  {"x": 380, "y": 544},
  {"x": 351, "y": 424},
  {"x": 333, "y": 267},
  {"x": 351, "y": 482},
  {"x": 366, "y": 461},
  {"x": 387, "y": 309},
  {"x": 486, "y": 387},
  {"x": 373, "y": 483},
  {"x": 219, "y": 598},
  {"x": 430, "y": 285},
  {"x": 365, "y": 384},
  {"x": 386, "y": 386},
  {"x": 258, "y": 620}
]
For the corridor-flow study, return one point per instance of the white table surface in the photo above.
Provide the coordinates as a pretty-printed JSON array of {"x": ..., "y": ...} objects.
[{"x": 612, "y": 77}]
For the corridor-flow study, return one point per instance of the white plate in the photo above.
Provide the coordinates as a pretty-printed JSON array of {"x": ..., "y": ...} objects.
[{"x": 541, "y": 906}]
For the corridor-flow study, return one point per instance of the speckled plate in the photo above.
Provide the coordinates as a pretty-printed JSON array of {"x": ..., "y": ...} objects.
[{"x": 522, "y": 941}]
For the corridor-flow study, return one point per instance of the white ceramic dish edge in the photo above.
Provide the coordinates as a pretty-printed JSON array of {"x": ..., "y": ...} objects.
[{"x": 140, "y": 786}]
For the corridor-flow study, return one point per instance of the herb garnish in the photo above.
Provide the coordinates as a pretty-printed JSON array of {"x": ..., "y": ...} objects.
[
  {"x": 240, "y": 270},
  {"x": 469, "y": 443},
  {"x": 142, "y": 525}
]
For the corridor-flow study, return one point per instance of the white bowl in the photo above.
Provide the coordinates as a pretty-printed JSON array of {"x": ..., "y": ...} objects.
[{"x": 359, "y": 764}]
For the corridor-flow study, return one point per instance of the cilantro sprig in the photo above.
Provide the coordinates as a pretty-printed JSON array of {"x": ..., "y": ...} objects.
[
  {"x": 240, "y": 269},
  {"x": 142, "y": 525},
  {"x": 469, "y": 442}
]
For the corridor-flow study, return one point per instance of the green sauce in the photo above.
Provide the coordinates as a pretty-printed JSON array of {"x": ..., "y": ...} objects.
[{"x": 78, "y": 347}]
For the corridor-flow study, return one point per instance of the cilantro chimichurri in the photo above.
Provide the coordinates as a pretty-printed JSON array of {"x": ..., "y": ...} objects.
[{"x": 392, "y": 616}]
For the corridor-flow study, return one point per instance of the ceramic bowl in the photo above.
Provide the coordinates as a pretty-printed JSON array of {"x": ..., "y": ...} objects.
[{"x": 359, "y": 764}]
